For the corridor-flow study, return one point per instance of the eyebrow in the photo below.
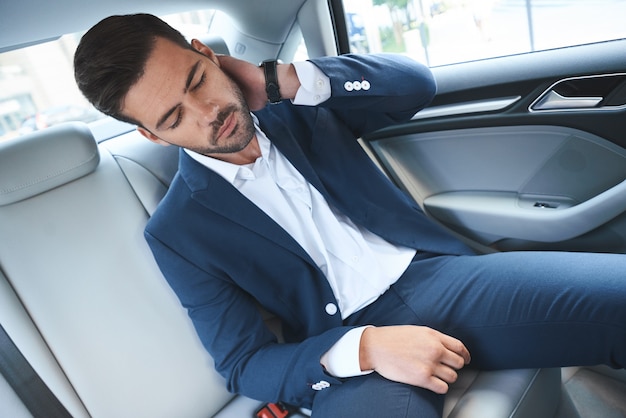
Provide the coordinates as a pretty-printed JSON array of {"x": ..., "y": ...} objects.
[{"x": 190, "y": 77}]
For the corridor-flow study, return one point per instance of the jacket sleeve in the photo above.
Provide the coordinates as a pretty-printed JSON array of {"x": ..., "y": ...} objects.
[
  {"x": 370, "y": 92},
  {"x": 231, "y": 328}
]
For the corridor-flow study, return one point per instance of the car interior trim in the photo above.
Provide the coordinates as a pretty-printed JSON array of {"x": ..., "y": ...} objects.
[
  {"x": 553, "y": 100},
  {"x": 529, "y": 203},
  {"x": 602, "y": 58},
  {"x": 478, "y": 106}
]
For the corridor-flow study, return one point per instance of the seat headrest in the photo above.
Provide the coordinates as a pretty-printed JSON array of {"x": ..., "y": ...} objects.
[
  {"x": 43, "y": 160},
  {"x": 216, "y": 43}
]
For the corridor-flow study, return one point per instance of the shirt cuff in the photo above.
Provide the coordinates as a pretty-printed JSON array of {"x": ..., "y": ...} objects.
[
  {"x": 314, "y": 84},
  {"x": 342, "y": 359}
]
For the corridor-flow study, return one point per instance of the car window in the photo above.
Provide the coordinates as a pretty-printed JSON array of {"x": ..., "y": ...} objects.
[
  {"x": 440, "y": 32},
  {"x": 37, "y": 87}
]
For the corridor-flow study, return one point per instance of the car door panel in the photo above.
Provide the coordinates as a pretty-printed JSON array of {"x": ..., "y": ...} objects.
[{"x": 521, "y": 152}]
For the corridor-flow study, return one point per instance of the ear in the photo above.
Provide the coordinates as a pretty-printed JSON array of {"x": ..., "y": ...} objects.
[
  {"x": 205, "y": 50},
  {"x": 151, "y": 137}
]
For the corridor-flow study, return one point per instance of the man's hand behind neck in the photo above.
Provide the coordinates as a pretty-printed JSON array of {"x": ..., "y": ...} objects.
[{"x": 251, "y": 80}]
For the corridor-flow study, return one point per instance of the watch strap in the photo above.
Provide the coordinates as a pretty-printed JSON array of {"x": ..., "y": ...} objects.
[{"x": 271, "y": 80}]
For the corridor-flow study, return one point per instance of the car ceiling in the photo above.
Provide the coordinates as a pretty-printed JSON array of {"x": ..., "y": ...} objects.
[{"x": 25, "y": 22}]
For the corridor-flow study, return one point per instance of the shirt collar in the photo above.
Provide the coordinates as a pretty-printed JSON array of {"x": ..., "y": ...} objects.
[{"x": 230, "y": 171}]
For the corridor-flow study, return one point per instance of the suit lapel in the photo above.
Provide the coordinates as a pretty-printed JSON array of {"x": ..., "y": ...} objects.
[{"x": 216, "y": 194}]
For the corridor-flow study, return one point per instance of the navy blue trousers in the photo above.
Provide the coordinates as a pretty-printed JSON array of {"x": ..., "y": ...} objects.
[{"x": 511, "y": 310}]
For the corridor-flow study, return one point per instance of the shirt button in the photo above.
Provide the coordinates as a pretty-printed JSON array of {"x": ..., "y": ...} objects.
[
  {"x": 331, "y": 309},
  {"x": 365, "y": 85},
  {"x": 356, "y": 85},
  {"x": 348, "y": 86},
  {"x": 355, "y": 258}
]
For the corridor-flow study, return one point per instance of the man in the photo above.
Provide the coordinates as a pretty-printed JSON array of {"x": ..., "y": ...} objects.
[{"x": 281, "y": 208}]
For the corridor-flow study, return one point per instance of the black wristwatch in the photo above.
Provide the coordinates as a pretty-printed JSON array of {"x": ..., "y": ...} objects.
[{"x": 271, "y": 81}]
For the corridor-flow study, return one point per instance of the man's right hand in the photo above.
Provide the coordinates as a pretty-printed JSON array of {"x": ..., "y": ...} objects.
[
  {"x": 251, "y": 80},
  {"x": 415, "y": 355}
]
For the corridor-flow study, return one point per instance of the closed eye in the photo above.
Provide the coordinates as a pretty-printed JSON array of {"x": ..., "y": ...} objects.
[
  {"x": 200, "y": 83},
  {"x": 179, "y": 118},
  {"x": 179, "y": 114}
]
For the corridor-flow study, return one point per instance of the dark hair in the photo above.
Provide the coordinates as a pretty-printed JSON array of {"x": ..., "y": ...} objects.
[{"x": 111, "y": 57}]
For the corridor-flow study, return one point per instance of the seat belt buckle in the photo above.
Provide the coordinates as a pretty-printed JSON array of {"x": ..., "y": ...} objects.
[{"x": 274, "y": 410}]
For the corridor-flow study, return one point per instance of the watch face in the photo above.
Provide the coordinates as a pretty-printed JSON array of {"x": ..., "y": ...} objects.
[{"x": 273, "y": 93}]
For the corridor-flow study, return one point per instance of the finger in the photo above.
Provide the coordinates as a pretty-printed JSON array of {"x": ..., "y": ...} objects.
[
  {"x": 437, "y": 385},
  {"x": 447, "y": 374},
  {"x": 453, "y": 360},
  {"x": 456, "y": 346}
]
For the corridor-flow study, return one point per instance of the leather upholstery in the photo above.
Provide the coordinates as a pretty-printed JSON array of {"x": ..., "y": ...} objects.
[
  {"x": 61, "y": 155},
  {"x": 118, "y": 342}
]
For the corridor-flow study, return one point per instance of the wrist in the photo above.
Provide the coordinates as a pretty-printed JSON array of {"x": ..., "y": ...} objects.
[
  {"x": 365, "y": 349},
  {"x": 287, "y": 80}
]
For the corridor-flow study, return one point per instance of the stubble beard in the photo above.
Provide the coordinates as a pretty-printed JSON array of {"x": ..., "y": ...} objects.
[{"x": 242, "y": 133}]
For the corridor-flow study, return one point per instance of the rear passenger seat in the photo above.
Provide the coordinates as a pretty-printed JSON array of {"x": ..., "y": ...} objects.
[{"x": 82, "y": 297}]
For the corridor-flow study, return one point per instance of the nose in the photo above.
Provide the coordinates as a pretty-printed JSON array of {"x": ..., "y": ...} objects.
[{"x": 204, "y": 111}]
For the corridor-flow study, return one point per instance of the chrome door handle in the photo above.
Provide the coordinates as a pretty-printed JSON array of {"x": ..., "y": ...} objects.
[{"x": 553, "y": 101}]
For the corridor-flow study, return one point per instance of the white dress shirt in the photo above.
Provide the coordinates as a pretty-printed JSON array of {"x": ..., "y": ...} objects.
[{"x": 359, "y": 265}]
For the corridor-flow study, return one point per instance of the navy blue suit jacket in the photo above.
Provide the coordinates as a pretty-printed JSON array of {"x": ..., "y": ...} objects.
[{"x": 223, "y": 256}]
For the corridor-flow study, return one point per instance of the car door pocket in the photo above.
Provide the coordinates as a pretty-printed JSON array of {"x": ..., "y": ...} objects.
[
  {"x": 490, "y": 216},
  {"x": 600, "y": 92}
]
